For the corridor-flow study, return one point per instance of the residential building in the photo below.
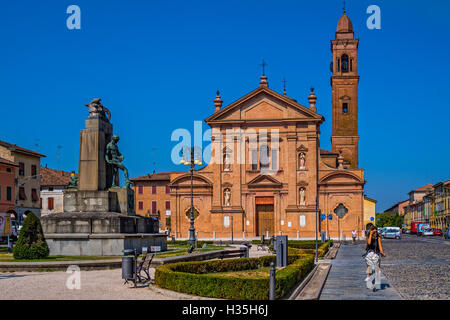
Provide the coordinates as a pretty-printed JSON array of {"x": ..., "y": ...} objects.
[
  {"x": 27, "y": 177},
  {"x": 399, "y": 207},
  {"x": 415, "y": 210},
  {"x": 369, "y": 211},
  {"x": 53, "y": 183},
  {"x": 440, "y": 213},
  {"x": 7, "y": 185},
  {"x": 152, "y": 197}
]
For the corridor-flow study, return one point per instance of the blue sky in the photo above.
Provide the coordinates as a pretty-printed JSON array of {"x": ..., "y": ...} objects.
[{"x": 157, "y": 65}]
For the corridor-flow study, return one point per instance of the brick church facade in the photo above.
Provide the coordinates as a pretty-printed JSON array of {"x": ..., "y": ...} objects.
[{"x": 268, "y": 171}]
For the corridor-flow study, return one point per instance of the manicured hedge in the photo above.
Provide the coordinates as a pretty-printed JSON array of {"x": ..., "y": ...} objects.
[
  {"x": 31, "y": 242},
  {"x": 198, "y": 278}
]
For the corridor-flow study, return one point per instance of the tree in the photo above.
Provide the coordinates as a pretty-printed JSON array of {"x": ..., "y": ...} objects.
[
  {"x": 31, "y": 242},
  {"x": 387, "y": 219}
]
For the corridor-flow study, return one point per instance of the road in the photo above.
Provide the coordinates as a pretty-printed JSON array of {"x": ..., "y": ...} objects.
[{"x": 418, "y": 267}]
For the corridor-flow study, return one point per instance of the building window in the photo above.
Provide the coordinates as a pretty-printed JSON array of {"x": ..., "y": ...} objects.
[
  {"x": 254, "y": 154},
  {"x": 50, "y": 203},
  {"x": 167, "y": 190},
  {"x": 344, "y": 63},
  {"x": 33, "y": 171},
  {"x": 264, "y": 156},
  {"x": 21, "y": 169},
  {"x": 275, "y": 160},
  {"x": 167, "y": 205},
  {"x": 345, "y": 108},
  {"x": 140, "y": 189},
  {"x": 153, "y": 207},
  {"x": 8, "y": 193},
  {"x": 34, "y": 195},
  {"x": 22, "y": 195},
  {"x": 8, "y": 169},
  {"x": 153, "y": 189},
  {"x": 141, "y": 205},
  {"x": 40, "y": 203}
]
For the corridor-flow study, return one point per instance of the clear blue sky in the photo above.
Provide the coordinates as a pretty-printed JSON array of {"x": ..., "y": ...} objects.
[{"x": 158, "y": 64}]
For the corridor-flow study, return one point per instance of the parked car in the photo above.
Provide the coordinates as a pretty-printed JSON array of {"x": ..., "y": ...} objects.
[
  {"x": 437, "y": 232},
  {"x": 427, "y": 232},
  {"x": 392, "y": 233},
  {"x": 406, "y": 230},
  {"x": 447, "y": 233}
]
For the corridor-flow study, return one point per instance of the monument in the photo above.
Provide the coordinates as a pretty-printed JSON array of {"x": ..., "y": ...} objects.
[{"x": 99, "y": 215}]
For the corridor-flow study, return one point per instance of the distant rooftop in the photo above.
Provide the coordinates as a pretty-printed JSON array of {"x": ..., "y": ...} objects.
[
  {"x": 54, "y": 178},
  {"x": 16, "y": 148}
]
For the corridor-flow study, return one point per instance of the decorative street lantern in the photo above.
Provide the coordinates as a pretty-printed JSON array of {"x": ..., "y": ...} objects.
[{"x": 191, "y": 157}]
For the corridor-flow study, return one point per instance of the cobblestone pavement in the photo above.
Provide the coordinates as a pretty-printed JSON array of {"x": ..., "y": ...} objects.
[
  {"x": 346, "y": 278},
  {"x": 418, "y": 268}
]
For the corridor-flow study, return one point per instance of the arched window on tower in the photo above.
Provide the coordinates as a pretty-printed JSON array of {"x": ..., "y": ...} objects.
[{"x": 344, "y": 63}]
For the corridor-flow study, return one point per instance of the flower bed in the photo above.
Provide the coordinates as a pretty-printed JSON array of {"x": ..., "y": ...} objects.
[{"x": 201, "y": 278}]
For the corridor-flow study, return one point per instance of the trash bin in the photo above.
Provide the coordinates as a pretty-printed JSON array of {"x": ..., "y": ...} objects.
[{"x": 128, "y": 268}]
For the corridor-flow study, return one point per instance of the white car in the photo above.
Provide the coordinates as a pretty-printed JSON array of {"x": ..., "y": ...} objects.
[
  {"x": 392, "y": 233},
  {"x": 427, "y": 232}
]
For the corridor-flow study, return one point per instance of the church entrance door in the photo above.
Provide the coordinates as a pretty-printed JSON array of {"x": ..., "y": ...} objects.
[{"x": 265, "y": 216}]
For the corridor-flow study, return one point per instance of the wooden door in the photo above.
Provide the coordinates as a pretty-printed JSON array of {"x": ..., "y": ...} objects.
[{"x": 265, "y": 219}]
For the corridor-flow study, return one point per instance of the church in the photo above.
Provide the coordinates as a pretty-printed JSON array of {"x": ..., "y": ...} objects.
[{"x": 269, "y": 175}]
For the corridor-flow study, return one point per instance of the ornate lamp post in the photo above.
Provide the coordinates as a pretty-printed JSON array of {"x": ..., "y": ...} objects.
[{"x": 191, "y": 157}]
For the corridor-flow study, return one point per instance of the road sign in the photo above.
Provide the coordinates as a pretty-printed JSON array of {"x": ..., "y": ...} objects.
[
  {"x": 330, "y": 217},
  {"x": 323, "y": 217}
]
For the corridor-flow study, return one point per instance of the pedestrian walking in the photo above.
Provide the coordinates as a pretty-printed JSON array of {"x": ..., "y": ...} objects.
[
  {"x": 354, "y": 236},
  {"x": 373, "y": 250}
]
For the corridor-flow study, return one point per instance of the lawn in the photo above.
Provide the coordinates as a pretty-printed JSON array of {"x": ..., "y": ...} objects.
[
  {"x": 179, "y": 250},
  {"x": 254, "y": 273}
]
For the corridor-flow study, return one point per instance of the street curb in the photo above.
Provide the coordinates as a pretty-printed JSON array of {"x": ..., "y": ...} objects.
[
  {"x": 296, "y": 291},
  {"x": 313, "y": 288}
]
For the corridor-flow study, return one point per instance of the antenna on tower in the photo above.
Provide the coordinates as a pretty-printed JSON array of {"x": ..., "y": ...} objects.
[
  {"x": 154, "y": 159},
  {"x": 344, "y": 7},
  {"x": 58, "y": 156},
  {"x": 36, "y": 144}
]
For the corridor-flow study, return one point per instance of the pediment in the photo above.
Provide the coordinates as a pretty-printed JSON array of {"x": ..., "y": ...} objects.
[
  {"x": 185, "y": 180},
  {"x": 264, "y": 104},
  {"x": 264, "y": 181},
  {"x": 341, "y": 177}
]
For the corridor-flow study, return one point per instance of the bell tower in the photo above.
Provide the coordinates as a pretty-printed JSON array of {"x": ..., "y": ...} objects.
[{"x": 344, "y": 83}]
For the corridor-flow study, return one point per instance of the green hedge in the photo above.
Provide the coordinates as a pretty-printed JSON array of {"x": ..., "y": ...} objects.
[
  {"x": 31, "y": 243},
  {"x": 198, "y": 278}
]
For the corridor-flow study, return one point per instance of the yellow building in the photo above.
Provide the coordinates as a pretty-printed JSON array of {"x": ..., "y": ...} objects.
[
  {"x": 440, "y": 215},
  {"x": 369, "y": 211}
]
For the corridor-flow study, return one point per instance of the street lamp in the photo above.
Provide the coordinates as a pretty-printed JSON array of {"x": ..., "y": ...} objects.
[{"x": 191, "y": 157}]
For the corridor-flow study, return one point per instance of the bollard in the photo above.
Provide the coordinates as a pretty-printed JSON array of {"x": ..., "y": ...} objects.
[
  {"x": 262, "y": 239},
  {"x": 243, "y": 235},
  {"x": 298, "y": 235},
  {"x": 267, "y": 234},
  {"x": 247, "y": 251},
  {"x": 272, "y": 282},
  {"x": 281, "y": 248},
  {"x": 214, "y": 235},
  {"x": 173, "y": 240}
]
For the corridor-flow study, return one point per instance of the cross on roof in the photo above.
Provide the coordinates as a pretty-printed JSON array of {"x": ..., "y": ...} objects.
[
  {"x": 344, "y": 6},
  {"x": 284, "y": 85},
  {"x": 263, "y": 65}
]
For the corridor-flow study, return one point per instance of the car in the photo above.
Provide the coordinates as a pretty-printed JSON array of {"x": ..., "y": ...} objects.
[
  {"x": 392, "y": 233},
  {"x": 406, "y": 230},
  {"x": 447, "y": 233},
  {"x": 427, "y": 232},
  {"x": 437, "y": 232}
]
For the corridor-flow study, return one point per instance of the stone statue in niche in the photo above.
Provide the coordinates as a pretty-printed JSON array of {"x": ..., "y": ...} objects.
[
  {"x": 226, "y": 161},
  {"x": 226, "y": 197},
  {"x": 302, "y": 197},
  {"x": 302, "y": 161}
]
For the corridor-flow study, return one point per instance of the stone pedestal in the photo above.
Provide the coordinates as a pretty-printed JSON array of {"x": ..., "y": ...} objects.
[
  {"x": 99, "y": 233},
  {"x": 113, "y": 200},
  {"x": 94, "y": 173}
]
